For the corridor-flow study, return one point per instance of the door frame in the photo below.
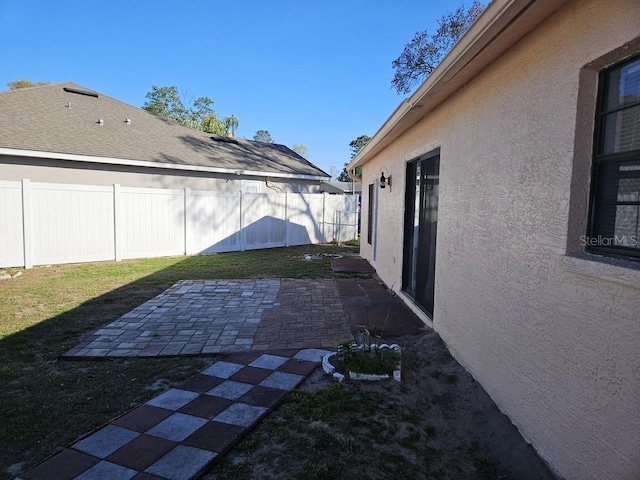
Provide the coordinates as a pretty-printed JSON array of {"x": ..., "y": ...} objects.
[{"x": 407, "y": 256}]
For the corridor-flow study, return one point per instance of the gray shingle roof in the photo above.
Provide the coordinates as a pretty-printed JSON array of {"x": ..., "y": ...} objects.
[
  {"x": 39, "y": 119},
  {"x": 341, "y": 187}
]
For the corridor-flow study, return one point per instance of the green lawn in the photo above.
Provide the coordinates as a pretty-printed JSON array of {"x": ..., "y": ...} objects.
[{"x": 45, "y": 403}]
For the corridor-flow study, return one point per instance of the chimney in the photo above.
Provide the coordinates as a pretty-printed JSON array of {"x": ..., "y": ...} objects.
[{"x": 230, "y": 133}]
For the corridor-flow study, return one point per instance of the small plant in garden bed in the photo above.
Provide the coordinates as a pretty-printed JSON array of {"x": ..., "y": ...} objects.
[
  {"x": 352, "y": 358},
  {"x": 366, "y": 359}
]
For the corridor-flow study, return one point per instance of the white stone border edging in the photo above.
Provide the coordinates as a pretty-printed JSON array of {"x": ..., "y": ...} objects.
[{"x": 331, "y": 370}]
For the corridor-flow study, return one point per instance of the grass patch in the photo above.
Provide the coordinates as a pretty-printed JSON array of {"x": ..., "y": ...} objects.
[
  {"x": 46, "y": 404},
  {"x": 352, "y": 243},
  {"x": 314, "y": 428},
  {"x": 343, "y": 432}
]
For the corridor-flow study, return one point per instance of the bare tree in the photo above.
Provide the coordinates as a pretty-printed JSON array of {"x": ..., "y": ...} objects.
[{"x": 424, "y": 52}]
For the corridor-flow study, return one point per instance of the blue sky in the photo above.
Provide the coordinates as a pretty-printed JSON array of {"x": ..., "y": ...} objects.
[{"x": 315, "y": 73}]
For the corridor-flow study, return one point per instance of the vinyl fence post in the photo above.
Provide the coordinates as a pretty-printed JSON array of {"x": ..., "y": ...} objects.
[
  {"x": 27, "y": 231},
  {"x": 242, "y": 247},
  {"x": 354, "y": 215},
  {"x": 187, "y": 246},
  {"x": 117, "y": 221},
  {"x": 287, "y": 199},
  {"x": 325, "y": 197}
]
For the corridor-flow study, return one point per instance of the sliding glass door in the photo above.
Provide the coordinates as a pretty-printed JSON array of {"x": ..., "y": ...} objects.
[{"x": 421, "y": 222}]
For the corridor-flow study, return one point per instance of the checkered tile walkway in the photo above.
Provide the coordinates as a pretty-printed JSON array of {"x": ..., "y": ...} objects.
[{"x": 180, "y": 433}]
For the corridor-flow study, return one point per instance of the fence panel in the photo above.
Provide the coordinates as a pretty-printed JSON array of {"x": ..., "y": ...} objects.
[
  {"x": 304, "y": 212},
  {"x": 214, "y": 222},
  {"x": 151, "y": 223},
  {"x": 263, "y": 220},
  {"x": 83, "y": 223},
  {"x": 341, "y": 217},
  {"x": 71, "y": 223},
  {"x": 11, "y": 227}
]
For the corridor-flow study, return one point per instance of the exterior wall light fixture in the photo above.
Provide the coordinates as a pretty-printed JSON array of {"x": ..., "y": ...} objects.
[{"x": 385, "y": 180}]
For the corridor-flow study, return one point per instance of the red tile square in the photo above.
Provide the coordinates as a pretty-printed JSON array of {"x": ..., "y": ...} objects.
[
  {"x": 146, "y": 476},
  {"x": 214, "y": 436},
  {"x": 65, "y": 465},
  {"x": 141, "y": 452},
  {"x": 251, "y": 375},
  {"x": 263, "y": 396},
  {"x": 242, "y": 358},
  {"x": 286, "y": 352},
  {"x": 348, "y": 287},
  {"x": 373, "y": 290},
  {"x": 206, "y": 406},
  {"x": 301, "y": 367},
  {"x": 142, "y": 418},
  {"x": 200, "y": 383}
]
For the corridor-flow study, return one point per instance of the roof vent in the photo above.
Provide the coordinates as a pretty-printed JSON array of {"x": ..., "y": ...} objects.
[
  {"x": 219, "y": 138},
  {"x": 100, "y": 121},
  {"x": 127, "y": 121},
  {"x": 68, "y": 104},
  {"x": 88, "y": 93}
]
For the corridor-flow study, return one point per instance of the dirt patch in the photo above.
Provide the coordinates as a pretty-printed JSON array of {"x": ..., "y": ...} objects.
[{"x": 437, "y": 424}]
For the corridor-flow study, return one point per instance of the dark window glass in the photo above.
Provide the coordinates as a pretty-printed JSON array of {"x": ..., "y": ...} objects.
[
  {"x": 622, "y": 131},
  {"x": 615, "y": 203},
  {"x": 370, "y": 216},
  {"x": 624, "y": 86}
]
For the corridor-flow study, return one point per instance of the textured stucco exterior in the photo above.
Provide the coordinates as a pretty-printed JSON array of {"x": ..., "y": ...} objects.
[
  {"x": 552, "y": 338},
  {"x": 62, "y": 171}
]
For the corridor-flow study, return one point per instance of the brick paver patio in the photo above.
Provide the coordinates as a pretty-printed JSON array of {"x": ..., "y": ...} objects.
[
  {"x": 307, "y": 313},
  {"x": 195, "y": 317}
]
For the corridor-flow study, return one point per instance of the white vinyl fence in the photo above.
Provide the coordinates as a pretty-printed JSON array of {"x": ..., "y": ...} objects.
[{"x": 47, "y": 223}]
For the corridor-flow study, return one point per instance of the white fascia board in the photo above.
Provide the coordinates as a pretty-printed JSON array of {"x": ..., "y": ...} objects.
[
  {"x": 141, "y": 163},
  {"x": 388, "y": 124}
]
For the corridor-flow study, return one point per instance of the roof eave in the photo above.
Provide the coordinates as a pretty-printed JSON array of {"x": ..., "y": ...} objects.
[
  {"x": 499, "y": 27},
  {"x": 142, "y": 163}
]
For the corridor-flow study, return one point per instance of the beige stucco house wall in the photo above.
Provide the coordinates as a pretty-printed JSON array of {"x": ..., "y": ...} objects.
[{"x": 554, "y": 339}]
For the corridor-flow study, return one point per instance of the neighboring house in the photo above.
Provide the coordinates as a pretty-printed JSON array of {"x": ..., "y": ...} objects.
[
  {"x": 341, "y": 188},
  {"x": 511, "y": 222},
  {"x": 67, "y": 133}
]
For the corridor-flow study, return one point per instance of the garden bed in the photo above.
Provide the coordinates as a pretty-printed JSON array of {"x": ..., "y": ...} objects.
[{"x": 364, "y": 362}]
